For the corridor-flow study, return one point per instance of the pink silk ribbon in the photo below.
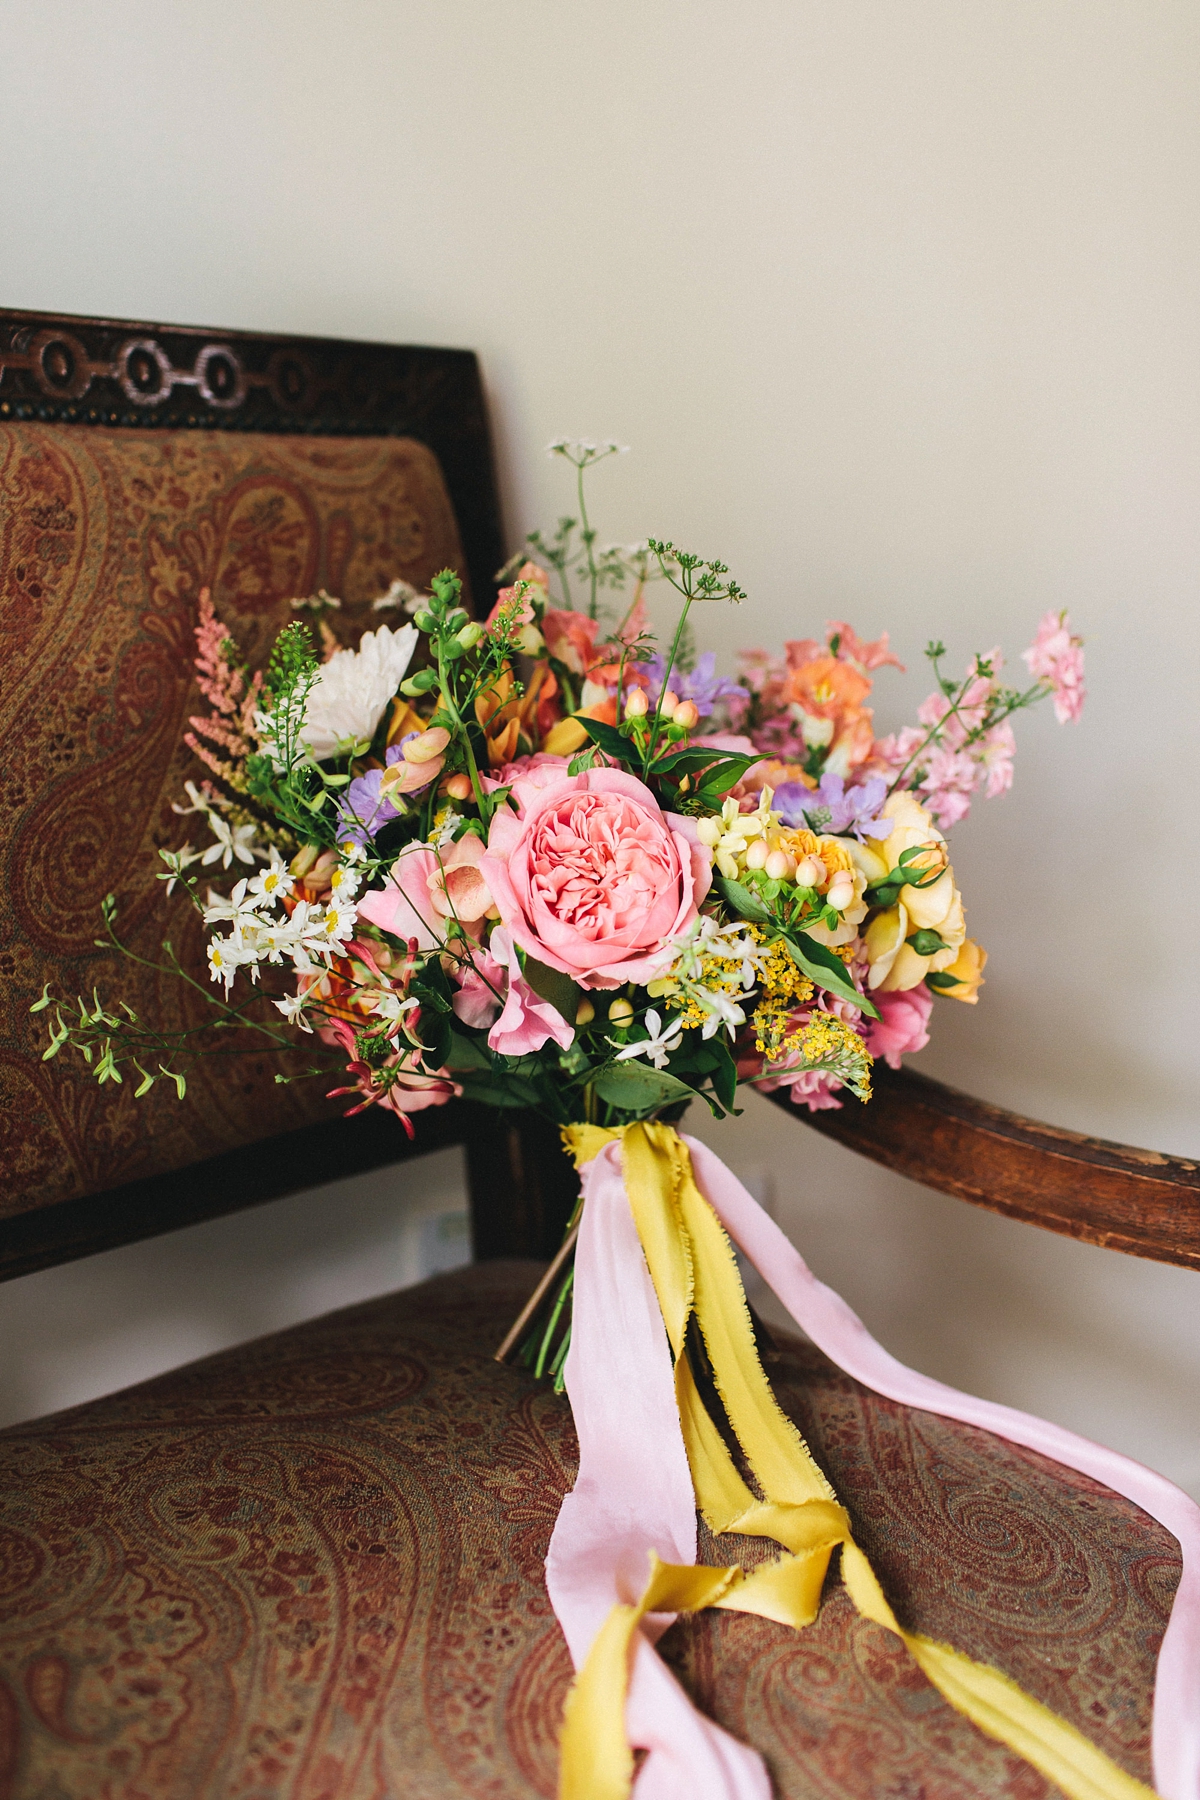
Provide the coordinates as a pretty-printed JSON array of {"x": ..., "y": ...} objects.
[{"x": 634, "y": 1490}]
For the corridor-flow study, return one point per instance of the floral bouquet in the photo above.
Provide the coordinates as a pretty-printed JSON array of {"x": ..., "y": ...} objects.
[{"x": 540, "y": 861}]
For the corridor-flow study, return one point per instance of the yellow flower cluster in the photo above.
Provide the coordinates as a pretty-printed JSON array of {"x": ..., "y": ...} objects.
[
  {"x": 782, "y": 988},
  {"x": 830, "y": 1042},
  {"x": 718, "y": 974}
]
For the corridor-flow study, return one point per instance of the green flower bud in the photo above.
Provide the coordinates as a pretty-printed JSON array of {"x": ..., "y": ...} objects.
[
  {"x": 424, "y": 620},
  {"x": 927, "y": 943},
  {"x": 471, "y": 634}
]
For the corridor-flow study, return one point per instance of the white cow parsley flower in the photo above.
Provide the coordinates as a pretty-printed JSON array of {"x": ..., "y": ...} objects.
[
  {"x": 401, "y": 594},
  {"x": 347, "y": 700}
]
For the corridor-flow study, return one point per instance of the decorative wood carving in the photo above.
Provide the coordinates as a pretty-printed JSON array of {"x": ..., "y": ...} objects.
[
  {"x": 1114, "y": 1195},
  {"x": 114, "y": 372}
]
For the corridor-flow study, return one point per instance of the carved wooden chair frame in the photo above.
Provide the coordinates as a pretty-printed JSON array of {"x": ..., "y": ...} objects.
[{"x": 114, "y": 373}]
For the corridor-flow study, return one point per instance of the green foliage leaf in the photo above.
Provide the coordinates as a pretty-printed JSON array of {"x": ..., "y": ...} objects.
[
  {"x": 501, "y": 1090},
  {"x": 637, "y": 1087},
  {"x": 467, "y": 1053},
  {"x": 826, "y": 969},
  {"x": 746, "y": 904},
  {"x": 608, "y": 738},
  {"x": 683, "y": 762},
  {"x": 942, "y": 981}
]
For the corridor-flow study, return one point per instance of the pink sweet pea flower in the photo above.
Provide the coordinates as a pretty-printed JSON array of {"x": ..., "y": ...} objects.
[
  {"x": 404, "y": 906},
  {"x": 526, "y": 1021},
  {"x": 1056, "y": 658},
  {"x": 427, "y": 889},
  {"x": 593, "y": 878},
  {"x": 459, "y": 890}
]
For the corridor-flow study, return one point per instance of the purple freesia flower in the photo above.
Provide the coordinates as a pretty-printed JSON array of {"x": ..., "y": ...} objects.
[
  {"x": 362, "y": 810},
  {"x": 703, "y": 686},
  {"x": 833, "y": 808}
]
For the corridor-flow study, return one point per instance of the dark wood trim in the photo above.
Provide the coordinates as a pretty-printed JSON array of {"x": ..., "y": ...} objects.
[
  {"x": 79, "y": 371},
  {"x": 523, "y": 1186},
  {"x": 1138, "y": 1201},
  {"x": 248, "y": 1176},
  {"x": 521, "y": 1182}
]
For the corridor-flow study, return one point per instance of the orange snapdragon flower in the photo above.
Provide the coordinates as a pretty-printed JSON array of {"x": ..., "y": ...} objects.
[{"x": 830, "y": 695}]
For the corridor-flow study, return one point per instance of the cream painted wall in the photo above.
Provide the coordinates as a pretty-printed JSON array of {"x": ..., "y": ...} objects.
[{"x": 897, "y": 305}]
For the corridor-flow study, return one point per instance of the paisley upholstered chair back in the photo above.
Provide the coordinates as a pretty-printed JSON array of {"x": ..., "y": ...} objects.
[{"x": 108, "y": 532}]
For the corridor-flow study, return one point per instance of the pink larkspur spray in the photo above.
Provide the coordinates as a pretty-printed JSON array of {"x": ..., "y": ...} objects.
[{"x": 1056, "y": 657}]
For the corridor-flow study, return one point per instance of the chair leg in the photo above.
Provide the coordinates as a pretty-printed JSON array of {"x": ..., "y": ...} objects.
[{"x": 522, "y": 1183}]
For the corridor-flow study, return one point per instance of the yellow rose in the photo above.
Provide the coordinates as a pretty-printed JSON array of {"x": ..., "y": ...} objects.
[
  {"x": 884, "y": 940},
  {"x": 967, "y": 970},
  {"x": 896, "y": 963}
]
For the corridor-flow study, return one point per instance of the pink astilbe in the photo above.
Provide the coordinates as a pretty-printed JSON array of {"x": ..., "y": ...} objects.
[
  {"x": 1056, "y": 658},
  {"x": 222, "y": 681}
]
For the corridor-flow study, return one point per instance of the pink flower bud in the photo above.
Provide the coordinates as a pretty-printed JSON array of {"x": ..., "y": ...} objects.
[
  {"x": 636, "y": 705},
  {"x": 458, "y": 787},
  {"x": 668, "y": 704},
  {"x": 779, "y": 866},
  {"x": 841, "y": 891},
  {"x": 687, "y": 714},
  {"x": 757, "y": 854},
  {"x": 810, "y": 872}
]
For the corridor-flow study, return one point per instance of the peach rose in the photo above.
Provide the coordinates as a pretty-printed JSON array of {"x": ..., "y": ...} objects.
[{"x": 593, "y": 878}]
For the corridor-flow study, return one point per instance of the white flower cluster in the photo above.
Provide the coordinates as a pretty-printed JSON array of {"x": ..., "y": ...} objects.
[
  {"x": 713, "y": 963},
  {"x": 229, "y": 841},
  {"x": 314, "y": 932}
]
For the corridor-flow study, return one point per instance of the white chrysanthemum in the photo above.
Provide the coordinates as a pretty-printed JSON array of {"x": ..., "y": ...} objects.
[{"x": 348, "y": 697}]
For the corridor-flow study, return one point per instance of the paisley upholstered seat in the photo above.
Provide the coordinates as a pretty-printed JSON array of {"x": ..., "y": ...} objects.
[{"x": 312, "y": 1567}]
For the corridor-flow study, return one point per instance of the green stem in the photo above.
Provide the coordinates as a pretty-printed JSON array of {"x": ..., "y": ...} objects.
[
  {"x": 448, "y": 701},
  {"x": 539, "y": 1367},
  {"x": 558, "y": 1365},
  {"x": 656, "y": 728},
  {"x": 586, "y": 534}
]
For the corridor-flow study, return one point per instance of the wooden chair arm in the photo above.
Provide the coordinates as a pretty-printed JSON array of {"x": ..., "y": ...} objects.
[{"x": 1114, "y": 1195}]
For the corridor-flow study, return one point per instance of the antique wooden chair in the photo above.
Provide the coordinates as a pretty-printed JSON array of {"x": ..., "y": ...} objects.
[{"x": 312, "y": 1566}]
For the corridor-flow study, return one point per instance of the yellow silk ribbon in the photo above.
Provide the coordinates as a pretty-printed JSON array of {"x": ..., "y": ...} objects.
[{"x": 694, "y": 1270}]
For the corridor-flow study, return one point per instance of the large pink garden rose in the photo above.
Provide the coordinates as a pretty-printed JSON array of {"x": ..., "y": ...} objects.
[{"x": 593, "y": 878}]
